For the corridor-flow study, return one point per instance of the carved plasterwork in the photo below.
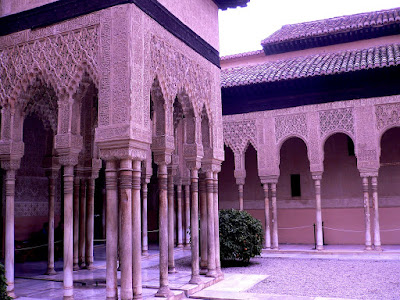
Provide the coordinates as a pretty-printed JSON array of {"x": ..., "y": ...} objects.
[
  {"x": 237, "y": 135},
  {"x": 387, "y": 115},
  {"x": 341, "y": 119},
  {"x": 288, "y": 125}
]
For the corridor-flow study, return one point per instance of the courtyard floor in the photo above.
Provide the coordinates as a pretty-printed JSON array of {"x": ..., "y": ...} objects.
[{"x": 291, "y": 273}]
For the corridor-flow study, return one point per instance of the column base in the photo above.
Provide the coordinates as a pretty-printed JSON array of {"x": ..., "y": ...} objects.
[
  {"x": 179, "y": 246},
  {"x": 220, "y": 274},
  {"x": 82, "y": 265},
  {"x": 212, "y": 273},
  {"x": 138, "y": 296},
  {"x": 164, "y": 292},
  {"x": 145, "y": 253},
  {"x": 51, "y": 271},
  {"x": 203, "y": 270},
  {"x": 378, "y": 248},
  {"x": 171, "y": 270},
  {"x": 90, "y": 267},
  {"x": 368, "y": 248},
  {"x": 187, "y": 247},
  {"x": 11, "y": 294},
  {"x": 275, "y": 248},
  {"x": 75, "y": 267},
  {"x": 196, "y": 279},
  {"x": 126, "y": 295},
  {"x": 320, "y": 247}
]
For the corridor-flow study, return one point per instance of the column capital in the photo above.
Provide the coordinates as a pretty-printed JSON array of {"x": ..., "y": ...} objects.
[
  {"x": 317, "y": 175},
  {"x": 11, "y": 165},
  {"x": 265, "y": 179},
  {"x": 211, "y": 166}
]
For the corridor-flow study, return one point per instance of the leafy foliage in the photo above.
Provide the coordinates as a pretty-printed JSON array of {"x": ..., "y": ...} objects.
[
  {"x": 3, "y": 285},
  {"x": 241, "y": 235}
]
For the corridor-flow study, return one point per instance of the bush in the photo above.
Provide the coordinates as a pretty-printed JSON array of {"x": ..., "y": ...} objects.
[
  {"x": 241, "y": 235},
  {"x": 3, "y": 285}
]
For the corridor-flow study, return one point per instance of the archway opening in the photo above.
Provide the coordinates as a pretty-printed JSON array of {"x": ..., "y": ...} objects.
[{"x": 227, "y": 183}]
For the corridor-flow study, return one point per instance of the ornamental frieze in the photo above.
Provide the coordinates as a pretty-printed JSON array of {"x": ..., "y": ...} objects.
[
  {"x": 341, "y": 119},
  {"x": 238, "y": 134},
  {"x": 290, "y": 125},
  {"x": 387, "y": 115}
]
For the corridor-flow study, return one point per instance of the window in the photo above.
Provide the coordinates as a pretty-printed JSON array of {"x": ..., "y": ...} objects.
[{"x": 295, "y": 185}]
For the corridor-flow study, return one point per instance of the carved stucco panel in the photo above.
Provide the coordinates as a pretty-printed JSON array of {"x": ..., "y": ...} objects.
[
  {"x": 287, "y": 125},
  {"x": 238, "y": 134},
  {"x": 341, "y": 119},
  {"x": 387, "y": 115}
]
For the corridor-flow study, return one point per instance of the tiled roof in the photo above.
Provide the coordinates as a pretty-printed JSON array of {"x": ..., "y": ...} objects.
[
  {"x": 240, "y": 55},
  {"x": 312, "y": 66},
  {"x": 224, "y": 4},
  {"x": 334, "y": 30}
]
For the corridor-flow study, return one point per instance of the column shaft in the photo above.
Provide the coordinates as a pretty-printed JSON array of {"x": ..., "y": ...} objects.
[
  {"x": 368, "y": 243},
  {"x": 126, "y": 228},
  {"x": 76, "y": 222},
  {"x": 240, "y": 188},
  {"x": 195, "y": 279},
  {"x": 112, "y": 230},
  {"x": 275, "y": 243},
  {"x": 68, "y": 231},
  {"x": 82, "y": 224},
  {"x": 50, "y": 247},
  {"x": 179, "y": 216},
  {"x": 136, "y": 232},
  {"x": 187, "y": 215},
  {"x": 9, "y": 234},
  {"x": 377, "y": 233},
  {"x": 267, "y": 219},
  {"x": 90, "y": 223},
  {"x": 171, "y": 236},
  {"x": 145, "y": 242},
  {"x": 216, "y": 227},
  {"x": 210, "y": 228},
  {"x": 318, "y": 214},
  {"x": 203, "y": 225}
]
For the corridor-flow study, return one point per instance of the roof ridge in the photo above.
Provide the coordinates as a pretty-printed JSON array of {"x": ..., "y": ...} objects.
[{"x": 241, "y": 54}]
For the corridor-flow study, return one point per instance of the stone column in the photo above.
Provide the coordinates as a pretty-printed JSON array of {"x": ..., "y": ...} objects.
[
  {"x": 90, "y": 223},
  {"x": 240, "y": 189},
  {"x": 82, "y": 224},
  {"x": 275, "y": 243},
  {"x": 52, "y": 175},
  {"x": 171, "y": 235},
  {"x": 179, "y": 216},
  {"x": 216, "y": 227},
  {"x": 318, "y": 211},
  {"x": 125, "y": 187},
  {"x": 145, "y": 242},
  {"x": 68, "y": 231},
  {"x": 9, "y": 230},
  {"x": 203, "y": 225},
  {"x": 194, "y": 176},
  {"x": 377, "y": 234},
  {"x": 76, "y": 221},
  {"x": 112, "y": 230},
  {"x": 368, "y": 243},
  {"x": 136, "y": 232},
  {"x": 164, "y": 290},
  {"x": 267, "y": 219},
  {"x": 187, "y": 215},
  {"x": 210, "y": 228}
]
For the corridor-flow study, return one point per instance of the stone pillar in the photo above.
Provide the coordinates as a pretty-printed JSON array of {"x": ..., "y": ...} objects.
[
  {"x": 179, "y": 216},
  {"x": 240, "y": 189},
  {"x": 368, "y": 243},
  {"x": 9, "y": 230},
  {"x": 90, "y": 223},
  {"x": 216, "y": 227},
  {"x": 194, "y": 176},
  {"x": 377, "y": 234},
  {"x": 76, "y": 221},
  {"x": 267, "y": 236},
  {"x": 275, "y": 243},
  {"x": 112, "y": 230},
  {"x": 187, "y": 215},
  {"x": 171, "y": 235},
  {"x": 210, "y": 228},
  {"x": 136, "y": 232},
  {"x": 125, "y": 186},
  {"x": 68, "y": 231},
  {"x": 145, "y": 242},
  {"x": 203, "y": 225},
  {"x": 318, "y": 211},
  {"x": 52, "y": 175},
  {"x": 164, "y": 290},
  {"x": 82, "y": 224}
]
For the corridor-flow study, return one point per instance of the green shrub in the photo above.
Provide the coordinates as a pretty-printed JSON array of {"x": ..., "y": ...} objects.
[
  {"x": 241, "y": 235},
  {"x": 3, "y": 285}
]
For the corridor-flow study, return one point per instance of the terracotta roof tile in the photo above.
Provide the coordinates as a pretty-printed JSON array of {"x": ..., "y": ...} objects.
[
  {"x": 244, "y": 54},
  {"x": 334, "y": 30},
  {"x": 312, "y": 65}
]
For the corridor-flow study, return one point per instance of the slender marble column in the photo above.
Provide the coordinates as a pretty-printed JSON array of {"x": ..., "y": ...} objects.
[
  {"x": 240, "y": 187},
  {"x": 112, "y": 230},
  {"x": 216, "y": 227},
  {"x": 275, "y": 243},
  {"x": 267, "y": 219},
  {"x": 145, "y": 242},
  {"x": 210, "y": 228},
  {"x": 90, "y": 223},
  {"x": 194, "y": 175},
  {"x": 136, "y": 232},
  {"x": 68, "y": 232},
  {"x": 126, "y": 228},
  {"x": 82, "y": 224},
  {"x": 179, "y": 216},
  {"x": 368, "y": 243},
  {"x": 76, "y": 222},
  {"x": 9, "y": 234},
  {"x": 203, "y": 225},
  {"x": 164, "y": 290},
  {"x": 318, "y": 212},
  {"x": 187, "y": 215},
  {"x": 171, "y": 236},
  {"x": 50, "y": 247},
  {"x": 377, "y": 233}
]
